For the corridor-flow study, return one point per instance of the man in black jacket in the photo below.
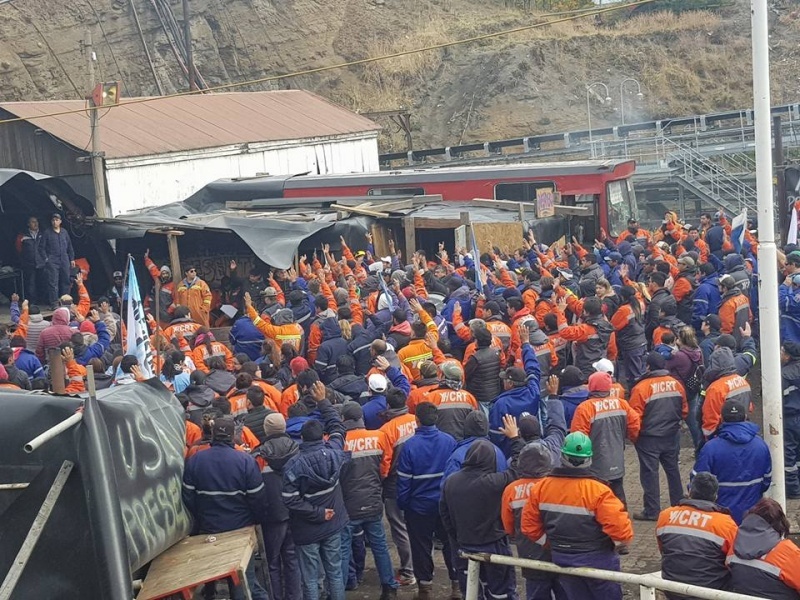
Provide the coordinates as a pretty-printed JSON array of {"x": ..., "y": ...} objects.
[
  {"x": 33, "y": 258},
  {"x": 312, "y": 492},
  {"x": 658, "y": 295},
  {"x": 275, "y": 451},
  {"x": 353, "y": 386},
  {"x": 470, "y": 510},
  {"x": 363, "y": 493},
  {"x": 256, "y": 412}
]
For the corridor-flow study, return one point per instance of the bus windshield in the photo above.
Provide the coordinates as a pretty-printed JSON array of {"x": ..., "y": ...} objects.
[{"x": 621, "y": 204}]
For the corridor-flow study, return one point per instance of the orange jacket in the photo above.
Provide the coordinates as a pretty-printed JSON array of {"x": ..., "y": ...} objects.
[
  {"x": 193, "y": 434},
  {"x": 501, "y": 331},
  {"x": 575, "y": 511},
  {"x": 84, "y": 301},
  {"x": 515, "y": 497},
  {"x": 648, "y": 398},
  {"x": 617, "y": 391},
  {"x": 397, "y": 431},
  {"x": 291, "y": 333},
  {"x": 419, "y": 394},
  {"x": 529, "y": 298},
  {"x": 362, "y": 443},
  {"x": 515, "y": 345},
  {"x": 542, "y": 308},
  {"x": 181, "y": 329},
  {"x": 200, "y": 354},
  {"x": 729, "y": 309},
  {"x": 197, "y": 297},
  {"x": 589, "y": 411},
  {"x": 75, "y": 374},
  {"x": 288, "y": 397},
  {"x": 682, "y": 288},
  {"x": 412, "y": 354},
  {"x": 785, "y": 556},
  {"x": 686, "y": 524},
  {"x": 582, "y": 333},
  {"x": 724, "y": 388}
]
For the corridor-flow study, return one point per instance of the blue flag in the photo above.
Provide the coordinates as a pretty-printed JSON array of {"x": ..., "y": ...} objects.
[
  {"x": 477, "y": 260},
  {"x": 385, "y": 291},
  {"x": 138, "y": 340},
  {"x": 738, "y": 226}
]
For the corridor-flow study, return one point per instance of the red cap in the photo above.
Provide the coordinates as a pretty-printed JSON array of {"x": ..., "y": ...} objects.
[
  {"x": 298, "y": 365},
  {"x": 408, "y": 292},
  {"x": 87, "y": 327},
  {"x": 600, "y": 382}
]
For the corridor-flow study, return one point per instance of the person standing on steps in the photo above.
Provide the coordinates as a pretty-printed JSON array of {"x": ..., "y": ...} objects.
[
  {"x": 60, "y": 259},
  {"x": 33, "y": 258}
]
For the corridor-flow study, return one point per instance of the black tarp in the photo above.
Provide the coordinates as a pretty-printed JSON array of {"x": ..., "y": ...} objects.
[{"x": 129, "y": 451}]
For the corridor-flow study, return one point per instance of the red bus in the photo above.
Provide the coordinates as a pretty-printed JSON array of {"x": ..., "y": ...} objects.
[{"x": 603, "y": 187}]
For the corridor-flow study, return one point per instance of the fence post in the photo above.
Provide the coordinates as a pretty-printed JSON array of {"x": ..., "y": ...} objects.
[
  {"x": 647, "y": 593},
  {"x": 473, "y": 579}
]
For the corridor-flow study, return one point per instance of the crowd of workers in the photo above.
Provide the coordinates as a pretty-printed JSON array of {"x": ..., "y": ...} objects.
[{"x": 481, "y": 401}]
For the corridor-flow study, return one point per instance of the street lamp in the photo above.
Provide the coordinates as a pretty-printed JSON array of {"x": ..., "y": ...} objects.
[
  {"x": 606, "y": 100},
  {"x": 639, "y": 95}
]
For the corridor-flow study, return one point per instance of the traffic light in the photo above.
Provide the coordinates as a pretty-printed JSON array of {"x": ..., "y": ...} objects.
[{"x": 106, "y": 94}]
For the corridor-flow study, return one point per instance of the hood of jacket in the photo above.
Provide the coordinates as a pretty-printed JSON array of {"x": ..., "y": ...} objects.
[
  {"x": 476, "y": 425},
  {"x": 712, "y": 279},
  {"x": 38, "y": 318},
  {"x": 200, "y": 395},
  {"x": 403, "y": 328},
  {"x": 294, "y": 425},
  {"x": 575, "y": 395},
  {"x": 277, "y": 450},
  {"x": 461, "y": 294},
  {"x": 220, "y": 381},
  {"x": 695, "y": 354},
  {"x": 756, "y": 537},
  {"x": 284, "y": 316},
  {"x": 733, "y": 262},
  {"x": 738, "y": 433},
  {"x": 330, "y": 329},
  {"x": 722, "y": 362},
  {"x": 481, "y": 456},
  {"x": 593, "y": 269},
  {"x": 61, "y": 316}
]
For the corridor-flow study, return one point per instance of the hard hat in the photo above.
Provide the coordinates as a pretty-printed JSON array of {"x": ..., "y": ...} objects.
[
  {"x": 452, "y": 372},
  {"x": 577, "y": 444}
]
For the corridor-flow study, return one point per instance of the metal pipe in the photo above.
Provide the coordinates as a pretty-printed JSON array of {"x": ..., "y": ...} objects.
[
  {"x": 616, "y": 576},
  {"x": 771, "y": 393},
  {"x": 473, "y": 579},
  {"x": 589, "y": 109},
  {"x": 622, "y": 95},
  {"x": 48, "y": 435}
]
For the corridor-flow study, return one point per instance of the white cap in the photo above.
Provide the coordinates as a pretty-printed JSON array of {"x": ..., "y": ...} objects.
[
  {"x": 387, "y": 259},
  {"x": 228, "y": 310},
  {"x": 377, "y": 383},
  {"x": 604, "y": 366},
  {"x": 376, "y": 267}
]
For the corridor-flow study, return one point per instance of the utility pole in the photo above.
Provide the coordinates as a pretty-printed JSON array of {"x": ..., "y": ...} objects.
[
  {"x": 94, "y": 119},
  {"x": 187, "y": 35},
  {"x": 771, "y": 392}
]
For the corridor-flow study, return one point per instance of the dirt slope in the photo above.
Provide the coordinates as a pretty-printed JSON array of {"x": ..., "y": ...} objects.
[{"x": 531, "y": 82}]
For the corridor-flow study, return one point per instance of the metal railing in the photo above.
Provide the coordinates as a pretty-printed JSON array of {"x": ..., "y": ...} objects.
[{"x": 647, "y": 583}]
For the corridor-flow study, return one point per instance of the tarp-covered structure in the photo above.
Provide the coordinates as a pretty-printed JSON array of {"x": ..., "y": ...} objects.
[{"x": 121, "y": 505}]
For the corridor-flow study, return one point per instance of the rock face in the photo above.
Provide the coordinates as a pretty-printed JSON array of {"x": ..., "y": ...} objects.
[{"x": 527, "y": 83}]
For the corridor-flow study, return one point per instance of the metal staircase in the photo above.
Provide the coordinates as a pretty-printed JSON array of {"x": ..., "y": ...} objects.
[{"x": 709, "y": 180}]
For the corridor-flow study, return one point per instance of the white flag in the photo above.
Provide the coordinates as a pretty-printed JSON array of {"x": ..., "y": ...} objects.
[
  {"x": 138, "y": 340},
  {"x": 792, "y": 237}
]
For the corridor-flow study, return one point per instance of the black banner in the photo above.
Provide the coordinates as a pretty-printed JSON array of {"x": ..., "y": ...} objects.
[{"x": 121, "y": 506}]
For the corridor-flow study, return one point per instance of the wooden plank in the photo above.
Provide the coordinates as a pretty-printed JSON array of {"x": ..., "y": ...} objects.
[
  {"x": 174, "y": 259},
  {"x": 411, "y": 237},
  {"x": 361, "y": 211},
  {"x": 465, "y": 222},
  {"x": 501, "y": 204},
  {"x": 194, "y": 561},
  {"x": 380, "y": 239},
  {"x": 432, "y": 223},
  {"x": 488, "y": 235},
  {"x": 572, "y": 210}
]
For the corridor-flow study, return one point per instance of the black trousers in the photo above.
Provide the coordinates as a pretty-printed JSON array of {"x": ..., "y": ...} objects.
[
  {"x": 653, "y": 451},
  {"x": 496, "y": 581},
  {"x": 421, "y": 529}
]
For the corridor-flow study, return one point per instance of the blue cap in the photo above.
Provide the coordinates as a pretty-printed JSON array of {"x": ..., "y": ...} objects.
[{"x": 615, "y": 256}]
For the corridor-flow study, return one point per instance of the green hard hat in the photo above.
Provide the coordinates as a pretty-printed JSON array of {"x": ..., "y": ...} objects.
[
  {"x": 452, "y": 372},
  {"x": 577, "y": 444}
]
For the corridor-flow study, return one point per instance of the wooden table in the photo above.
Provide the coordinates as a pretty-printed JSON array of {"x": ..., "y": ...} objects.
[{"x": 196, "y": 560}]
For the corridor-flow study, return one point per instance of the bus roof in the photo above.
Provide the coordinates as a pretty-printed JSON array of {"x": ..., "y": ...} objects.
[{"x": 445, "y": 173}]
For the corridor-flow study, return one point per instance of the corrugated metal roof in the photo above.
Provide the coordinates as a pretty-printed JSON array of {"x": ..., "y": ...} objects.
[{"x": 196, "y": 122}]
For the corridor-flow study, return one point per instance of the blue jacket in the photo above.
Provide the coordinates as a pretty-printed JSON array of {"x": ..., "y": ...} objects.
[
  {"x": 311, "y": 483},
  {"x": 294, "y": 425},
  {"x": 223, "y": 489},
  {"x": 97, "y": 349},
  {"x": 571, "y": 398},
  {"x": 460, "y": 453},
  {"x": 420, "y": 469},
  {"x": 28, "y": 362},
  {"x": 740, "y": 460},
  {"x": 333, "y": 345},
  {"x": 245, "y": 337},
  {"x": 789, "y": 300},
  {"x": 707, "y": 300},
  {"x": 516, "y": 401},
  {"x": 790, "y": 374},
  {"x": 58, "y": 246},
  {"x": 376, "y": 405}
]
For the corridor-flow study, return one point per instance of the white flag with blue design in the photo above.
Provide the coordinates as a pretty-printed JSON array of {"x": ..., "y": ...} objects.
[{"x": 138, "y": 340}]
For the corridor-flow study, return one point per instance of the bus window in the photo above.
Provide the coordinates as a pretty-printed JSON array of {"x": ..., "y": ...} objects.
[
  {"x": 585, "y": 227},
  {"x": 396, "y": 192},
  {"x": 521, "y": 191},
  {"x": 620, "y": 205}
]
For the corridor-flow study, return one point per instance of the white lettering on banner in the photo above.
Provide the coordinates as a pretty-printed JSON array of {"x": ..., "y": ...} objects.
[
  {"x": 735, "y": 382},
  {"x": 606, "y": 404},
  {"x": 361, "y": 444},
  {"x": 692, "y": 518},
  {"x": 658, "y": 387}
]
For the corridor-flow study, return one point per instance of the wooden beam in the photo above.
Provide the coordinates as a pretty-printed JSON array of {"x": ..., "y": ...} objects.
[
  {"x": 501, "y": 204},
  {"x": 174, "y": 259},
  {"x": 572, "y": 210},
  {"x": 361, "y": 211},
  {"x": 411, "y": 237},
  {"x": 432, "y": 223},
  {"x": 465, "y": 221}
]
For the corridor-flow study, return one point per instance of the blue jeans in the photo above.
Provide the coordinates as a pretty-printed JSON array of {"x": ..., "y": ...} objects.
[
  {"x": 693, "y": 420},
  {"x": 325, "y": 555},
  {"x": 376, "y": 537}
]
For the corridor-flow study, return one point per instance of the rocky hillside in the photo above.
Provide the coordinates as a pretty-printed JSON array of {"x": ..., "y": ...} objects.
[{"x": 524, "y": 83}]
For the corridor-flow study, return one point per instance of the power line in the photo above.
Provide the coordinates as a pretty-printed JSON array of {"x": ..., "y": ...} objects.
[{"x": 363, "y": 61}]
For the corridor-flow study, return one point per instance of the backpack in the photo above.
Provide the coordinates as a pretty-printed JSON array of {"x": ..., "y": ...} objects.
[{"x": 694, "y": 382}]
